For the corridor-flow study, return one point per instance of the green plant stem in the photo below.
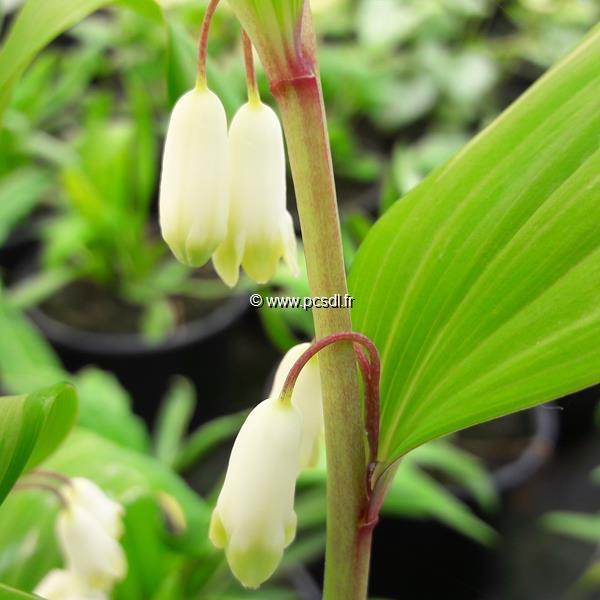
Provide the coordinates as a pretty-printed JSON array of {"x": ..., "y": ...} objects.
[{"x": 348, "y": 546}]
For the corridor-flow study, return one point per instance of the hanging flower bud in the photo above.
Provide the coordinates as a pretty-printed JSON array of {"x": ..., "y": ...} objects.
[
  {"x": 90, "y": 497},
  {"x": 87, "y": 529},
  {"x": 193, "y": 200},
  {"x": 88, "y": 549},
  {"x": 260, "y": 230},
  {"x": 307, "y": 398},
  {"x": 59, "y": 584},
  {"x": 254, "y": 519}
]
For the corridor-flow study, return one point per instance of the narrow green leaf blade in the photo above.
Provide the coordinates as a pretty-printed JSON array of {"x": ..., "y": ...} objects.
[
  {"x": 173, "y": 419},
  {"x": 416, "y": 495},
  {"x": 38, "y": 23},
  {"x": 481, "y": 287},
  {"x": 8, "y": 593},
  {"x": 462, "y": 467},
  {"x": 581, "y": 526},
  {"x": 20, "y": 191},
  {"x": 31, "y": 428}
]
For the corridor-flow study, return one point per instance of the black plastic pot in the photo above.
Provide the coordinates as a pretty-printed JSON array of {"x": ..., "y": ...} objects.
[
  {"x": 577, "y": 415},
  {"x": 198, "y": 349},
  {"x": 536, "y": 452},
  {"x": 22, "y": 242}
]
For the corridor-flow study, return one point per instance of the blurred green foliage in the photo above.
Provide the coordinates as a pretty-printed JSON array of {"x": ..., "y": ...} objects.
[{"x": 406, "y": 83}]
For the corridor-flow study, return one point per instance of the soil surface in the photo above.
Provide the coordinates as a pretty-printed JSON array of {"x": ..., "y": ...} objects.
[{"x": 87, "y": 306}]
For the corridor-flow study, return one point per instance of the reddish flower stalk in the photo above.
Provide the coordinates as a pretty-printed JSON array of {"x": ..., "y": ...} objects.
[
  {"x": 203, "y": 45},
  {"x": 50, "y": 474},
  {"x": 370, "y": 368},
  {"x": 23, "y": 486}
]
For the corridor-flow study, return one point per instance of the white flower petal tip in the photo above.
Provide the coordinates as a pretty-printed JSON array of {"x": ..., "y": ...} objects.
[
  {"x": 260, "y": 229},
  {"x": 307, "y": 398},
  {"x": 60, "y": 584},
  {"x": 193, "y": 198},
  {"x": 254, "y": 519},
  {"x": 89, "y": 550},
  {"x": 226, "y": 261}
]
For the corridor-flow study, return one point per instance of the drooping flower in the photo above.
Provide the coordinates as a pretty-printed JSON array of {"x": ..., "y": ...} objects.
[
  {"x": 87, "y": 529},
  {"x": 107, "y": 512},
  {"x": 194, "y": 201},
  {"x": 89, "y": 550},
  {"x": 254, "y": 519},
  {"x": 60, "y": 584},
  {"x": 260, "y": 229},
  {"x": 307, "y": 398}
]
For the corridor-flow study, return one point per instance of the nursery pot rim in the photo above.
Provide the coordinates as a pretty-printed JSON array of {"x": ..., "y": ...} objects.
[
  {"x": 541, "y": 446},
  {"x": 130, "y": 344},
  {"x": 537, "y": 452}
]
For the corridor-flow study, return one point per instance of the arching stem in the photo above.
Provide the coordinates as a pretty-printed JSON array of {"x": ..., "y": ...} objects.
[
  {"x": 38, "y": 486},
  {"x": 370, "y": 368},
  {"x": 50, "y": 474},
  {"x": 203, "y": 45}
]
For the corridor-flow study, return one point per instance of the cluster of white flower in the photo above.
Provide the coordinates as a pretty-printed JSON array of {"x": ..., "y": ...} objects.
[
  {"x": 254, "y": 519},
  {"x": 223, "y": 194},
  {"x": 87, "y": 529}
]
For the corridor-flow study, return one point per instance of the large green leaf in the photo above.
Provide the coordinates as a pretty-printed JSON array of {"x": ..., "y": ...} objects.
[
  {"x": 481, "y": 287},
  {"x": 418, "y": 496},
  {"x": 38, "y": 23},
  {"x": 31, "y": 427}
]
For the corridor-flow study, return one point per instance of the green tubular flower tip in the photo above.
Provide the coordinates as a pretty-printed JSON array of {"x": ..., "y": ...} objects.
[
  {"x": 254, "y": 518},
  {"x": 252, "y": 565}
]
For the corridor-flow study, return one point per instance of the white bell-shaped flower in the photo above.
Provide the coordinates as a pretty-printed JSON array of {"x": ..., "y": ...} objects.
[
  {"x": 260, "y": 229},
  {"x": 89, "y": 496},
  {"x": 194, "y": 201},
  {"x": 88, "y": 548},
  {"x": 59, "y": 584},
  {"x": 254, "y": 519},
  {"x": 307, "y": 398}
]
